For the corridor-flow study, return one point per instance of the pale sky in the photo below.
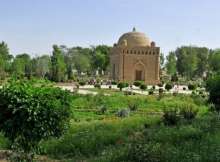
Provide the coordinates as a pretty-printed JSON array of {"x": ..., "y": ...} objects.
[{"x": 33, "y": 26}]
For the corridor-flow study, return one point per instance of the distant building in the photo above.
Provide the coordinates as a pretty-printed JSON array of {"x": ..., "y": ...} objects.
[{"x": 134, "y": 58}]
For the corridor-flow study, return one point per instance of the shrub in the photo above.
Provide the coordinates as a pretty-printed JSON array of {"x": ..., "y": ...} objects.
[
  {"x": 123, "y": 113},
  {"x": 168, "y": 86},
  {"x": 153, "y": 87},
  {"x": 160, "y": 91},
  {"x": 102, "y": 109},
  {"x": 137, "y": 83},
  {"x": 110, "y": 87},
  {"x": 97, "y": 86},
  {"x": 171, "y": 116},
  {"x": 174, "y": 78},
  {"x": 143, "y": 87},
  {"x": 31, "y": 113},
  {"x": 82, "y": 83},
  {"x": 122, "y": 85},
  {"x": 160, "y": 85},
  {"x": 151, "y": 92},
  {"x": 146, "y": 152},
  {"x": 127, "y": 93},
  {"x": 213, "y": 87},
  {"x": 114, "y": 83},
  {"x": 189, "y": 111},
  {"x": 184, "y": 88},
  {"x": 191, "y": 87},
  {"x": 133, "y": 105}
]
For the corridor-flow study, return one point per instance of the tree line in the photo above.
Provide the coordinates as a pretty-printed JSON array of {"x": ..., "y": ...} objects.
[
  {"x": 66, "y": 63},
  {"x": 62, "y": 65},
  {"x": 193, "y": 62}
]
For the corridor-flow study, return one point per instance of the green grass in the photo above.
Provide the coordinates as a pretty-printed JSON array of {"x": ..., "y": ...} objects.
[{"x": 92, "y": 138}]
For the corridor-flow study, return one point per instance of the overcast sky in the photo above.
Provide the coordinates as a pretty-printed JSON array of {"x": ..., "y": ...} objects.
[{"x": 33, "y": 26}]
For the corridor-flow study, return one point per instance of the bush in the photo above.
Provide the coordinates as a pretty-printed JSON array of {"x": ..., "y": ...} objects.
[
  {"x": 31, "y": 113},
  {"x": 184, "y": 88},
  {"x": 114, "y": 83},
  {"x": 191, "y": 87},
  {"x": 213, "y": 87},
  {"x": 174, "y": 78},
  {"x": 146, "y": 152},
  {"x": 133, "y": 105},
  {"x": 127, "y": 93},
  {"x": 138, "y": 83},
  {"x": 143, "y": 87},
  {"x": 160, "y": 91},
  {"x": 122, "y": 85},
  {"x": 151, "y": 92},
  {"x": 189, "y": 111},
  {"x": 102, "y": 109},
  {"x": 123, "y": 113},
  {"x": 171, "y": 116},
  {"x": 82, "y": 83},
  {"x": 168, "y": 86},
  {"x": 160, "y": 85},
  {"x": 97, "y": 86}
]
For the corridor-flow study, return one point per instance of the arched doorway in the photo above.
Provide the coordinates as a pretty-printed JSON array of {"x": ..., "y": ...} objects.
[{"x": 139, "y": 72}]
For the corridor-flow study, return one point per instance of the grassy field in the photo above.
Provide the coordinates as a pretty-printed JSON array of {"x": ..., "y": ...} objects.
[{"x": 105, "y": 136}]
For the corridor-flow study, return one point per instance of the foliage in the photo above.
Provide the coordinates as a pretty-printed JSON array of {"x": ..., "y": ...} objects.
[
  {"x": 133, "y": 105},
  {"x": 97, "y": 86},
  {"x": 122, "y": 85},
  {"x": 171, "y": 63},
  {"x": 151, "y": 92},
  {"x": 171, "y": 115},
  {"x": 100, "y": 57},
  {"x": 189, "y": 111},
  {"x": 191, "y": 87},
  {"x": 5, "y": 59},
  {"x": 30, "y": 113},
  {"x": 213, "y": 87},
  {"x": 113, "y": 82},
  {"x": 214, "y": 60},
  {"x": 160, "y": 90},
  {"x": 57, "y": 65},
  {"x": 103, "y": 109},
  {"x": 191, "y": 61},
  {"x": 143, "y": 87},
  {"x": 168, "y": 86},
  {"x": 174, "y": 78},
  {"x": 82, "y": 83},
  {"x": 138, "y": 83},
  {"x": 123, "y": 113}
]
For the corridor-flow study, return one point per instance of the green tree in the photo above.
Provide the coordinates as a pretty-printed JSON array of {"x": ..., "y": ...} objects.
[
  {"x": 214, "y": 61},
  {"x": 213, "y": 87},
  {"x": 162, "y": 60},
  {"x": 41, "y": 66},
  {"x": 58, "y": 67},
  {"x": 5, "y": 59},
  {"x": 21, "y": 66},
  {"x": 78, "y": 58},
  {"x": 203, "y": 57},
  {"x": 171, "y": 63},
  {"x": 101, "y": 57},
  {"x": 192, "y": 61},
  {"x": 32, "y": 112}
]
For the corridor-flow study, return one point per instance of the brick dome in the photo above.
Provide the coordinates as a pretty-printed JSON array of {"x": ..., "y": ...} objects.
[{"x": 134, "y": 39}]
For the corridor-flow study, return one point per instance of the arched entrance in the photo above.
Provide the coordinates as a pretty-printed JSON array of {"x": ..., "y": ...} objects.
[{"x": 139, "y": 72}]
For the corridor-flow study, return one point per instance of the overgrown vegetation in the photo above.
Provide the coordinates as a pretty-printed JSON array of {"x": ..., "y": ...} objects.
[{"x": 31, "y": 113}]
